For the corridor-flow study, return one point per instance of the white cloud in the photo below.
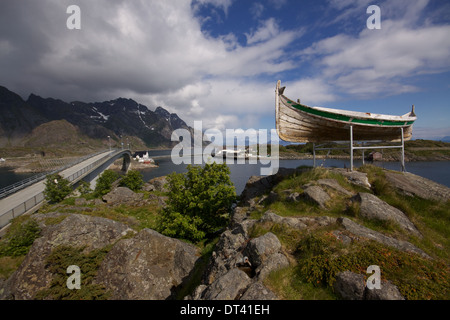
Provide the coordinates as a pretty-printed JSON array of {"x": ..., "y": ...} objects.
[
  {"x": 379, "y": 61},
  {"x": 266, "y": 31}
]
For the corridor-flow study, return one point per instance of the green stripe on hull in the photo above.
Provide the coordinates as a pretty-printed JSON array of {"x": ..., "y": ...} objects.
[{"x": 340, "y": 117}]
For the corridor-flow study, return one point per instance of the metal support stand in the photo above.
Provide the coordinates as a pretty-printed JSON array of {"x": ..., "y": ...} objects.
[
  {"x": 364, "y": 147},
  {"x": 314, "y": 155},
  {"x": 351, "y": 148}
]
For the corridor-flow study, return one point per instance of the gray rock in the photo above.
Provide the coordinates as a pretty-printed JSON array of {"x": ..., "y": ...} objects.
[
  {"x": 355, "y": 177},
  {"x": 259, "y": 185},
  {"x": 364, "y": 232},
  {"x": 388, "y": 291},
  {"x": 333, "y": 184},
  {"x": 159, "y": 184},
  {"x": 414, "y": 185},
  {"x": 259, "y": 249},
  {"x": 258, "y": 291},
  {"x": 341, "y": 236},
  {"x": 349, "y": 285},
  {"x": 228, "y": 287},
  {"x": 371, "y": 207},
  {"x": 149, "y": 266},
  {"x": 76, "y": 231},
  {"x": 122, "y": 195},
  {"x": 293, "y": 197},
  {"x": 316, "y": 195},
  {"x": 225, "y": 256},
  {"x": 273, "y": 262},
  {"x": 291, "y": 222}
]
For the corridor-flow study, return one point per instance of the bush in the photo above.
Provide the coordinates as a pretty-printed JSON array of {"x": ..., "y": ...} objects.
[
  {"x": 84, "y": 188},
  {"x": 19, "y": 238},
  {"x": 104, "y": 182},
  {"x": 56, "y": 188},
  {"x": 57, "y": 262},
  {"x": 199, "y": 202},
  {"x": 132, "y": 180}
]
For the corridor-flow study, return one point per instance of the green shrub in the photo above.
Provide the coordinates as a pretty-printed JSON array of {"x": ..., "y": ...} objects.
[
  {"x": 132, "y": 180},
  {"x": 199, "y": 202},
  {"x": 19, "y": 238},
  {"x": 56, "y": 188},
  {"x": 57, "y": 262},
  {"x": 104, "y": 182},
  {"x": 321, "y": 258},
  {"x": 84, "y": 188}
]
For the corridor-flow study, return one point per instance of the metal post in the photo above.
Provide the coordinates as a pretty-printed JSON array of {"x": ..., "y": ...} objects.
[
  {"x": 403, "y": 151},
  {"x": 363, "y": 154},
  {"x": 314, "y": 154},
  {"x": 351, "y": 148}
]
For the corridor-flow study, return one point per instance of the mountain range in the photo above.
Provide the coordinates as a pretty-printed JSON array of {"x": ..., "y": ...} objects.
[{"x": 43, "y": 122}]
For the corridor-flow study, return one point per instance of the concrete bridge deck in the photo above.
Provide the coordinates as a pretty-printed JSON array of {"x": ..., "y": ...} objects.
[{"x": 31, "y": 197}]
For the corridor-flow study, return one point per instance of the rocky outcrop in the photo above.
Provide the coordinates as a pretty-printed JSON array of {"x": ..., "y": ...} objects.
[
  {"x": 355, "y": 177},
  {"x": 414, "y": 185},
  {"x": 76, "y": 231},
  {"x": 259, "y": 185},
  {"x": 351, "y": 286},
  {"x": 158, "y": 184},
  {"x": 298, "y": 223},
  {"x": 123, "y": 195},
  {"x": 239, "y": 265},
  {"x": 149, "y": 266},
  {"x": 371, "y": 207},
  {"x": 370, "y": 234},
  {"x": 316, "y": 195}
]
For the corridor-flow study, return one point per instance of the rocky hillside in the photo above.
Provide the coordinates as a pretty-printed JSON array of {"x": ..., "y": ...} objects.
[
  {"x": 300, "y": 234},
  {"x": 116, "y": 118}
]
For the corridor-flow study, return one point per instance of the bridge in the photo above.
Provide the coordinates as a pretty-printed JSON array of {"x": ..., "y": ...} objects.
[{"x": 28, "y": 195}]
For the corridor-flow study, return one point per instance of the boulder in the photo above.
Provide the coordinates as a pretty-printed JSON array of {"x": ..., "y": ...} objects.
[
  {"x": 316, "y": 195},
  {"x": 273, "y": 262},
  {"x": 371, "y": 207},
  {"x": 122, "y": 195},
  {"x": 414, "y": 185},
  {"x": 333, "y": 184},
  {"x": 291, "y": 222},
  {"x": 76, "y": 231},
  {"x": 259, "y": 249},
  {"x": 388, "y": 291},
  {"x": 370, "y": 234},
  {"x": 159, "y": 184},
  {"x": 225, "y": 256},
  {"x": 355, "y": 177},
  {"x": 149, "y": 266},
  {"x": 259, "y": 185},
  {"x": 349, "y": 285},
  {"x": 258, "y": 291},
  {"x": 228, "y": 287}
]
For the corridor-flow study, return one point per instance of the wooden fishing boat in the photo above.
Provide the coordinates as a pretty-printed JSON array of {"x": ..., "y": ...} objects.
[{"x": 297, "y": 122}]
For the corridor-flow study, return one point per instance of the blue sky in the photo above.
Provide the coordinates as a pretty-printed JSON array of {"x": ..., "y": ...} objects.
[{"x": 218, "y": 60}]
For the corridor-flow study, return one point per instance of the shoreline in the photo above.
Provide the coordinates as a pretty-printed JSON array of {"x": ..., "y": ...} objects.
[{"x": 20, "y": 165}]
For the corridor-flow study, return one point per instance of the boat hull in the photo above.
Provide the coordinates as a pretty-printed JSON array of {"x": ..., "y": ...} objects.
[{"x": 299, "y": 123}]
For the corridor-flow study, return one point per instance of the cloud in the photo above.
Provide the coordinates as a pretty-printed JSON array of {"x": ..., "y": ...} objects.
[
  {"x": 142, "y": 48},
  {"x": 267, "y": 30},
  {"x": 383, "y": 61}
]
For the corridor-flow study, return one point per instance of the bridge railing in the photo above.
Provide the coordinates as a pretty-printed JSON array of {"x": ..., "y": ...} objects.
[
  {"x": 5, "y": 191},
  {"x": 38, "y": 198}
]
